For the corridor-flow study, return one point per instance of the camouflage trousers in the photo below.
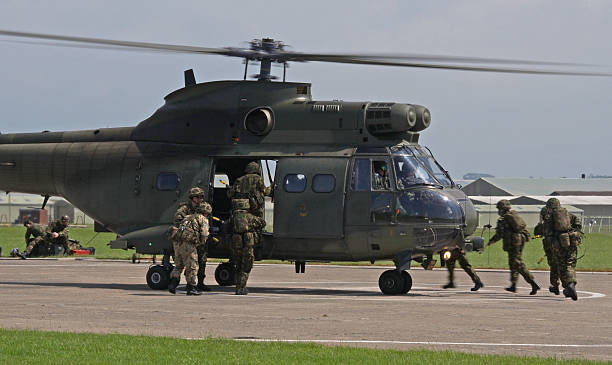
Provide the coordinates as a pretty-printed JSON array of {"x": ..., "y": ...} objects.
[
  {"x": 567, "y": 262},
  {"x": 32, "y": 243},
  {"x": 553, "y": 264},
  {"x": 185, "y": 258},
  {"x": 463, "y": 262},
  {"x": 516, "y": 264},
  {"x": 201, "y": 262},
  {"x": 242, "y": 249}
]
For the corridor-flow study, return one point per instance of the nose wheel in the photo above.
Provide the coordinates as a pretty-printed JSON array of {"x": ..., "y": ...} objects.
[{"x": 393, "y": 282}]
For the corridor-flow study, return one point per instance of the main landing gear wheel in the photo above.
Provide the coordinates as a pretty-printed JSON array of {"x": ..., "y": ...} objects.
[
  {"x": 225, "y": 274},
  {"x": 158, "y": 277},
  {"x": 393, "y": 282}
]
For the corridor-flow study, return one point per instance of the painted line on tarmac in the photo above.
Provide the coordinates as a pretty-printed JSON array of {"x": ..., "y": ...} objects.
[{"x": 431, "y": 343}]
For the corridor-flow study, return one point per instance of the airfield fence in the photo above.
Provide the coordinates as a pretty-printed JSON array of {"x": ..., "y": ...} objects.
[{"x": 596, "y": 224}]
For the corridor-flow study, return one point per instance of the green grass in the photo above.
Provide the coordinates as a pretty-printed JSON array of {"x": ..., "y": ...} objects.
[
  {"x": 596, "y": 247},
  {"x": 37, "y": 347}
]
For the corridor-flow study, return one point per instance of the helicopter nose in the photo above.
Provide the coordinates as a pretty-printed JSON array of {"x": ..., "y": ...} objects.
[{"x": 430, "y": 206}]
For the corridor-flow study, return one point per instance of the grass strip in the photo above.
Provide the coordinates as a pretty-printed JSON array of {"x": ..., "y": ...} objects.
[{"x": 38, "y": 347}]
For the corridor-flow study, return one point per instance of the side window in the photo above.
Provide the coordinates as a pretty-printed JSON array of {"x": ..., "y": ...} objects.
[
  {"x": 295, "y": 183},
  {"x": 167, "y": 181},
  {"x": 323, "y": 183},
  {"x": 380, "y": 176},
  {"x": 360, "y": 176}
]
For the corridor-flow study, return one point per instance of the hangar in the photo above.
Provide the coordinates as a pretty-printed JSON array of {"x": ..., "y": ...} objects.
[{"x": 14, "y": 206}]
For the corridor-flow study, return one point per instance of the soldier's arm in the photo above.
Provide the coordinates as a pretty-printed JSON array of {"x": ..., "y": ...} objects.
[
  {"x": 204, "y": 230},
  {"x": 27, "y": 235},
  {"x": 63, "y": 233},
  {"x": 179, "y": 216},
  {"x": 498, "y": 232}
]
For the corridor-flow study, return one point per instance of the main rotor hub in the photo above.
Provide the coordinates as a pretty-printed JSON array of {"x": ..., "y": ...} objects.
[{"x": 266, "y": 51}]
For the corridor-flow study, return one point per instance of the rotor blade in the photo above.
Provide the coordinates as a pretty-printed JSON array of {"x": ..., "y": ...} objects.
[
  {"x": 466, "y": 68},
  {"x": 91, "y": 46},
  {"x": 127, "y": 44},
  {"x": 295, "y": 56}
]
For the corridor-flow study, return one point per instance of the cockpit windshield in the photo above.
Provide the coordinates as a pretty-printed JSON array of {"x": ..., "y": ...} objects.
[
  {"x": 425, "y": 157},
  {"x": 410, "y": 172}
]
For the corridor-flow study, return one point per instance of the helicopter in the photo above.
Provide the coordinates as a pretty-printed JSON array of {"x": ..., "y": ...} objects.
[{"x": 351, "y": 181}]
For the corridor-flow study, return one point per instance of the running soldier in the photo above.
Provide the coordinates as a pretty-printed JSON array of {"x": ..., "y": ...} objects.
[
  {"x": 565, "y": 240},
  {"x": 191, "y": 234},
  {"x": 546, "y": 230},
  {"x": 245, "y": 226},
  {"x": 459, "y": 255},
  {"x": 512, "y": 229},
  {"x": 196, "y": 197}
]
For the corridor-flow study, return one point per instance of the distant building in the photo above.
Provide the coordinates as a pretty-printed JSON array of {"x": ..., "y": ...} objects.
[
  {"x": 526, "y": 186},
  {"x": 14, "y": 207},
  {"x": 475, "y": 176}
]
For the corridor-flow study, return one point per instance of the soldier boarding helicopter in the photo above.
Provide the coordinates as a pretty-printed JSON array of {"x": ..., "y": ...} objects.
[{"x": 351, "y": 182}]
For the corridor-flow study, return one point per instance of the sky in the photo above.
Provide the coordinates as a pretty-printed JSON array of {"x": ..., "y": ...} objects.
[{"x": 501, "y": 124}]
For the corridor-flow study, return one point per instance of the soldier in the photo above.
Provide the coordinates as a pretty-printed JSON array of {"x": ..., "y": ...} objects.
[
  {"x": 57, "y": 233},
  {"x": 251, "y": 186},
  {"x": 191, "y": 234},
  {"x": 546, "y": 229},
  {"x": 244, "y": 228},
  {"x": 458, "y": 254},
  {"x": 511, "y": 228},
  {"x": 565, "y": 239},
  {"x": 196, "y": 197},
  {"x": 380, "y": 176},
  {"x": 33, "y": 237}
]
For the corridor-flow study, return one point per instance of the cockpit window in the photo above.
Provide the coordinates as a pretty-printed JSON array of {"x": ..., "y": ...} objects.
[
  {"x": 431, "y": 164},
  {"x": 410, "y": 172}
]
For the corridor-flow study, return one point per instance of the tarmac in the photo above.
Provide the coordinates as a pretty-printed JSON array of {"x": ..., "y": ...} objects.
[{"x": 331, "y": 305}]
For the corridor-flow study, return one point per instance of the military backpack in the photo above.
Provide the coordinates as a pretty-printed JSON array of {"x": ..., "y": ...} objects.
[{"x": 561, "y": 220}]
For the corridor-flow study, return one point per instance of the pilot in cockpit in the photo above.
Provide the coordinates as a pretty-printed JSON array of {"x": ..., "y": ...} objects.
[{"x": 380, "y": 177}]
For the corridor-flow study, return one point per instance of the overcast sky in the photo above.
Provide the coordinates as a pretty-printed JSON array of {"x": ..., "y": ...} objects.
[{"x": 505, "y": 125}]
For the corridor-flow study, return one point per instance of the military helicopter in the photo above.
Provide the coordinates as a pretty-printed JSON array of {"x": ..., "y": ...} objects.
[{"x": 350, "y": 183}]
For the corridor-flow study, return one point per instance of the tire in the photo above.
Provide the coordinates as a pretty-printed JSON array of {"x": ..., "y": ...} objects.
[
  {"x": 407, "y": 282},
  {"x": 225, "y": 274},
  {"x": 158, "y": 277},
  {"x": 391, "y": 282}
]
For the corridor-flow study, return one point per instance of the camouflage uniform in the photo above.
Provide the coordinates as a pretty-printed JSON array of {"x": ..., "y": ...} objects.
[
  {"x": 250, "y": 186},
  {"x": 191, "y": 234},
  {"x": 33, "y": 236},
  {"x": 511, "y": 228},
  {"x": 547, "y": 244},
  {"x": 565, "y": 241},
  {"x": 244, "y": 227},
  {"x": 183, "y": 211},
  {"x": 60, "y": 227},
  {"x": 459, "y": 255}
]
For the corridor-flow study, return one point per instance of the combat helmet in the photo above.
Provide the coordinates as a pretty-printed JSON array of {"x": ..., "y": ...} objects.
[
  {"x": 553, "y": 203},
  {"x": 203, "y": 208},
  {"x": 65, "y": 219},
  {"x": 503, "y": 204},
  {"x": 252, "y": 168},
  {"x": 195, "y": 191},
  {"x": 240, "y": 204}
]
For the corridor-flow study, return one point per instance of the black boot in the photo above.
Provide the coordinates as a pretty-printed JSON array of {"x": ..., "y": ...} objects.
[
  {"x": 534, "y": 287},
  {"x": 192, "y": 290},
  {"x": 174, "y": 282},
  {"x": 511, "y": 288},
  {"x": 477, "y": 285},
  {"x": 201, "y": 286},
  {"x": 554, "y": 289},
  {"x": 450, "y": 285},
  {"x": 571, "y": 288}
]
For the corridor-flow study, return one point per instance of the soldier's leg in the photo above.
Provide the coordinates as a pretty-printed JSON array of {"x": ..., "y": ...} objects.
[
  {"x": 450, "y": 266},
  {"x": 465, "y": 265},
  {"x": 513, "y": 266},
  {"x": 552, "y": 262},
  {"x": 237, "y": 252},
  {"x": 201, "y": 249},
  {"x": 179, "y": 261},
  {"x": 521, "y": 267},
  {"x": 248, "y": 242},
  {"x": 191, "y": 267}
]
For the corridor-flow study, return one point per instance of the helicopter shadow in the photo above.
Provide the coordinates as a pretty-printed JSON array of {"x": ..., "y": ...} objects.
[{"x": 113, "y": 286}]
